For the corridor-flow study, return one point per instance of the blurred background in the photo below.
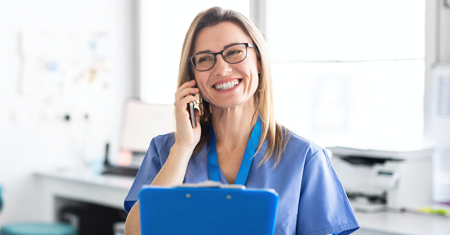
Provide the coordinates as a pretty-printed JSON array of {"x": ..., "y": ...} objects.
[{"x": 354, "y": 73}]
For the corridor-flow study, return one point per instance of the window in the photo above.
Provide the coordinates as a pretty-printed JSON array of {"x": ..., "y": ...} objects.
[
  {"x": 349, "y": 72},
  {"x": 346, "y": 72}
]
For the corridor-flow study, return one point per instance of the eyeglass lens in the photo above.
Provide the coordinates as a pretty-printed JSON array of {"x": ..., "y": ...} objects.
[{"x": 233, "y": 54}]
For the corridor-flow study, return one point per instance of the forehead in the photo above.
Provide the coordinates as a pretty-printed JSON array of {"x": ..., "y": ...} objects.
[{"x": 214, "y": 38}]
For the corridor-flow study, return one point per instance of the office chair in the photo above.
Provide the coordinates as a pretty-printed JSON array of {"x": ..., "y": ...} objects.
[{"x": 35, "y": 228}]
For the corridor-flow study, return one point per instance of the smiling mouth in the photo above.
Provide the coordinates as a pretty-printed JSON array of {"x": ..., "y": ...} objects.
[{"x": 227, "y": 85}]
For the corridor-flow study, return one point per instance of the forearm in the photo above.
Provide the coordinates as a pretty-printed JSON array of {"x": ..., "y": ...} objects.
[
  {"x": 172, "y": 173},
  {"x": 174, "y": 169},
  {"x": 132, "y": 224}
]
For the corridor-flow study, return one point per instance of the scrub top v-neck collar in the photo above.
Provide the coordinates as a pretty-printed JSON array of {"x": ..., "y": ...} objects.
[{"x": 213, "y": 164}]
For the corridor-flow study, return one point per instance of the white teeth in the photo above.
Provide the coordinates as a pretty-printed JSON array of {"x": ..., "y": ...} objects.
[{"x": 227, "y": 85}]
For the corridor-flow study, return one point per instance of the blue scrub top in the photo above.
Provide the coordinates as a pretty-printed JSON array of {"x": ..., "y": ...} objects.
[{"x": 312, "y": 200}]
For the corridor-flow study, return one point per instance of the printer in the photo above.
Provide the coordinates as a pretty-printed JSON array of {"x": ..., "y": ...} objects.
[{"x": 376, "y": 180}]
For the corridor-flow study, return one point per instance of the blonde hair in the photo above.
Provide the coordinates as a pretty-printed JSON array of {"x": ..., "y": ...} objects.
[{"x": 276, "y": 134}]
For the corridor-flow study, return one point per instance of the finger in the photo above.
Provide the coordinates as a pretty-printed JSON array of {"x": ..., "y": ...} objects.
[
  {"x": 185, "y": 92},
  {"x": 182, "y": 104},
  {"x": 190, "y": 83}
]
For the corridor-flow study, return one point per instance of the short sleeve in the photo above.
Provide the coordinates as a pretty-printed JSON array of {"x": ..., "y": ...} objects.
[
  {"x": 150, "y": 167},
  {"x": 324, "y": 207}
]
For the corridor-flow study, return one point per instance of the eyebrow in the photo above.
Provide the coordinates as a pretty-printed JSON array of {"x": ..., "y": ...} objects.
[{"x": 224, "y": 47}]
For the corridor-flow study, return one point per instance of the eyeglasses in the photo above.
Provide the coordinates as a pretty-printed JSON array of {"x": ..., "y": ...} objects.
[{"x": 233, "y": 54}]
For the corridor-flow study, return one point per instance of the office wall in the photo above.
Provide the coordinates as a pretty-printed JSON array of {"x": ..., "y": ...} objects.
[
  {"x": 437, "y": 48},
  {"x": 445, "y": 33},
  {"x": 33, "y": 132}
]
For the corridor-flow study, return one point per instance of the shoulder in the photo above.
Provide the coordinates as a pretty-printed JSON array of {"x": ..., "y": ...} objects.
[
  {"x": 298, "y": 145},
  {"x": 161, "y": 144},
  {"x": 165, "y": 139}
]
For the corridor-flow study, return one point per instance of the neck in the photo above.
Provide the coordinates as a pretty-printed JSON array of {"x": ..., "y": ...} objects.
[{"x": 233, "y": 126}]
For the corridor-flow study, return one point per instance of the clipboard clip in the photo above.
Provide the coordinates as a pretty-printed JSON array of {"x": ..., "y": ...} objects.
[{"x": 211, "y": 184}]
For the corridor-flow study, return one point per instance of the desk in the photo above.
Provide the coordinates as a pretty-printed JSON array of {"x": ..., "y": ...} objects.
[
  {"x": 80, "y": 185},
  {"x": 402, "y": 223},
  {"x": 108, "y": 190}
]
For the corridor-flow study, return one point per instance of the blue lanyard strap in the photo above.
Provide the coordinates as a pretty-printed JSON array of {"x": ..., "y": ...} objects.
[{"x": 213, "y": 164}]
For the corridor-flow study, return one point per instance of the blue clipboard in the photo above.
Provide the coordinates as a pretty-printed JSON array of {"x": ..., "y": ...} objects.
[{"x": 207, "y": 210}]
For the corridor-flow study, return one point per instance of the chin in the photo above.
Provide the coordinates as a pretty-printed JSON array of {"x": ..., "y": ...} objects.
[{"x": 230, "y": 104}]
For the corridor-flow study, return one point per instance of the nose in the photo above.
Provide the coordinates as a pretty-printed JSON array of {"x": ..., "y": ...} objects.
[{"x": 221, "y": 68}]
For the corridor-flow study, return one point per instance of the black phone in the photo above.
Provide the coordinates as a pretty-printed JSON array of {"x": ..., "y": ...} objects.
[
  {"x": 192, "y": 114},
  {"x": 191, "y": 110}
]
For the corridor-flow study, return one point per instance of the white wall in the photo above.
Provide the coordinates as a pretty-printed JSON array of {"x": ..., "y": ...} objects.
[
  {"x": 445, "y": 33},
  {"x": 437, "y": 46},
  {"x": 33, "y": 134}
]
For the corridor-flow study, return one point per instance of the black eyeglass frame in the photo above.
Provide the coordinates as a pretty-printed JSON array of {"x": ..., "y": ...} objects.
[{"x": 247, "y": 45}]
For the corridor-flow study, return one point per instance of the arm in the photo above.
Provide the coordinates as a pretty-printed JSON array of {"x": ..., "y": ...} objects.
[
  {"x": 132, "y": 224},
  {"x": 172, "y": 173},
  {"x": 174, "y": 169}
]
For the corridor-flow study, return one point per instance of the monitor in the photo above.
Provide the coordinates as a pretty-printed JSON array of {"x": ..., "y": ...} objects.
[{"x": 141, "y": 123}]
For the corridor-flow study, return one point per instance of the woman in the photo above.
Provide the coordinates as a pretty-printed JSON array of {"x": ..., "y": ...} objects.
[{"x": 224, "y": 65}]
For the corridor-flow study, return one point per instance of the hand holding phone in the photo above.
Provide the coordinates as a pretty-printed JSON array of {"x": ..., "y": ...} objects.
[
  {"x": 187, "y": 95},
  {"x": 188, "y": 130}
]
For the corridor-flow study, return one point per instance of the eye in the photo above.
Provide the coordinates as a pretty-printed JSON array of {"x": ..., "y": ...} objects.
[
  {"x": 204, "y": 58},
  {"x": 233, "y": 52}
]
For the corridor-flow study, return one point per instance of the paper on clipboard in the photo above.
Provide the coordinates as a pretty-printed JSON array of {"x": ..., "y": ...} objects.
[{"x": 207, "y": 208}]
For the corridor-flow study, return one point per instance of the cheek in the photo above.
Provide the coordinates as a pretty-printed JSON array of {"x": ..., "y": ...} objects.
[
  {"x": 200, "y": 79},
  {"x": 253, "y": 76}
]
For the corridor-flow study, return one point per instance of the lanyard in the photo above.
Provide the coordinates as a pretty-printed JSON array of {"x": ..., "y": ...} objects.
[{"x": 213, "y": 164}]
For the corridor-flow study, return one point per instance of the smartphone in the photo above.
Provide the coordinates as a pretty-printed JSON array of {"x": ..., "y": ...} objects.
[{"x": 191, "y": 112}]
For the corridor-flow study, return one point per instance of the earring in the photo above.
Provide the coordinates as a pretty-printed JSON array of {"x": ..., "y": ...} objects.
[{"x": 197, "y": 102}]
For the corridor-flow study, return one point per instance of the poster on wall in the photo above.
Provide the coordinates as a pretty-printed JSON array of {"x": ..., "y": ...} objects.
[
  {"x": 61, "y": 63},
  {"x": 66, "y": 77}
]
